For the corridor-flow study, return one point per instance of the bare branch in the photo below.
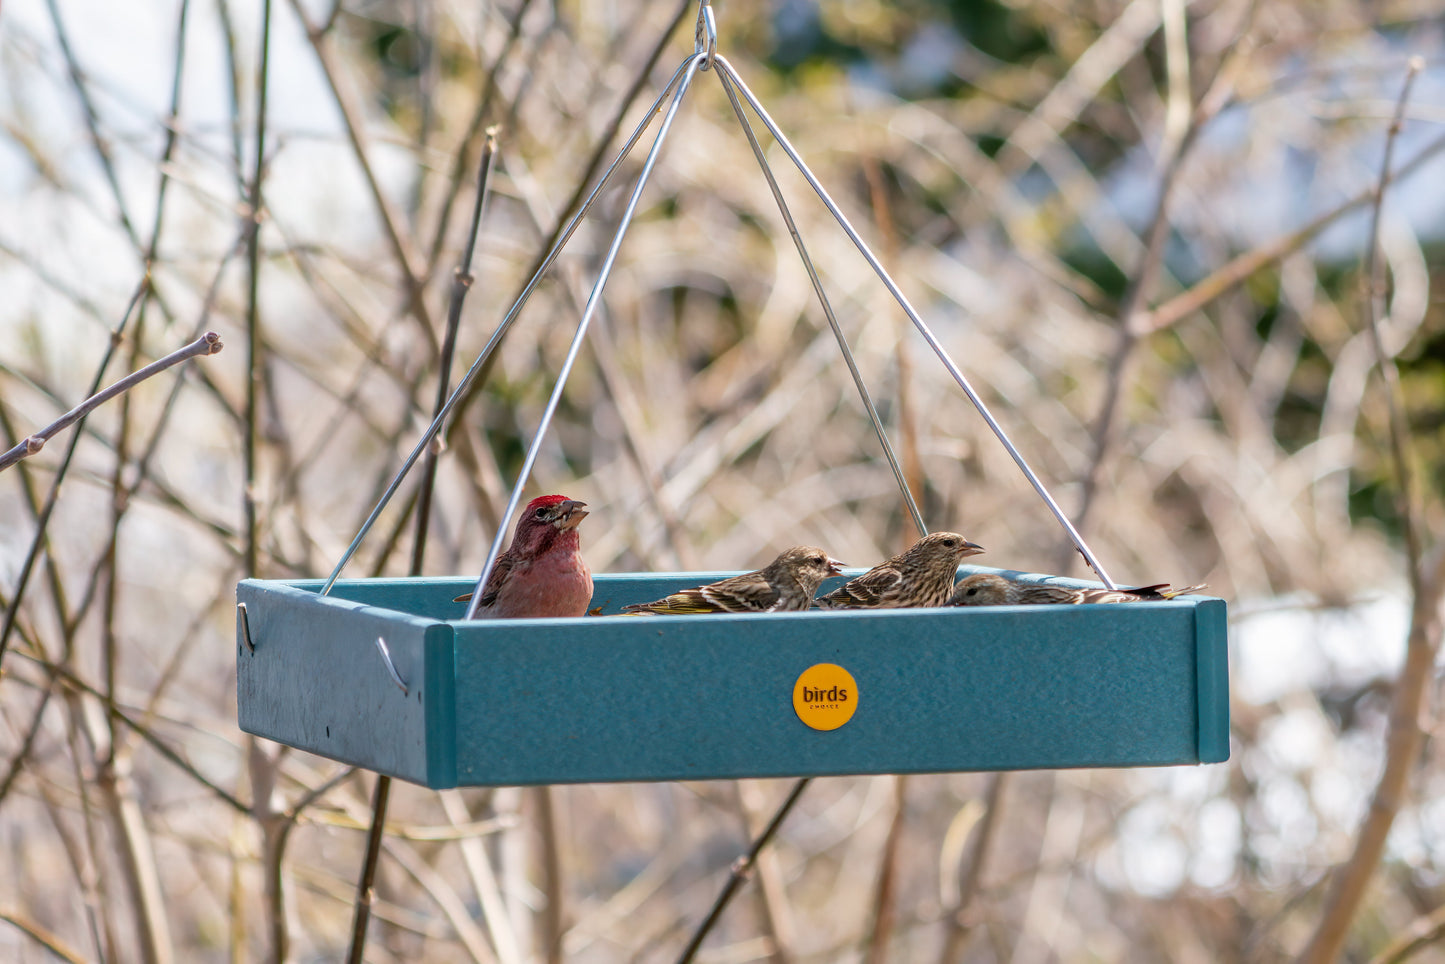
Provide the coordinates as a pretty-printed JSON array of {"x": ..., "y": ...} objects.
[
  {"x": 255, "y": 365},
  {"x": 462, "y": 281},
  {"x": 1421, "y": 934},
  {"x": 51, "y": 942},
  {"x": 885, "y": 894},
  {"x": 1209, "y": 290},
  {"x": 1427, "y": 584},
  {"x": 958, "y": 916},
  {"x": 406, "y": 257},
  {"x": 207, "y": 344},
  {"x": 742, "y": 868}
]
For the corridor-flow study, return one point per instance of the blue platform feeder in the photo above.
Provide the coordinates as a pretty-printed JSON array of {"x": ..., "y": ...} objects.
[{"x": 444, "y": 702}]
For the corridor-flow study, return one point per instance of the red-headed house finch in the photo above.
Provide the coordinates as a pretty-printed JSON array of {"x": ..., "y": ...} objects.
[
  {"x": 986, "y": 589},
  {"x": 786, "y": 584},
  {"x": 542, "y": 572},
  {"x": 921, "y": 576}
]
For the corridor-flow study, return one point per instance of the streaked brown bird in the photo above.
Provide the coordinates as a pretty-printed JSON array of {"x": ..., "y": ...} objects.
[
  {"x": 542, "y": 572},
  {"x": 986, "y": 589},
  {"x": 921, "y": 576},
  {"x": 786, "y": 584}
]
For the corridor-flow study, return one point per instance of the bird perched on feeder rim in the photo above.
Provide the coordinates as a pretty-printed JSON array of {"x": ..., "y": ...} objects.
[
  {"x": 921, "y": 576},
  {"x": 786, "y": 584},
  {"x": 542, "y": 572},
  {"x": 986, "y": 589}
]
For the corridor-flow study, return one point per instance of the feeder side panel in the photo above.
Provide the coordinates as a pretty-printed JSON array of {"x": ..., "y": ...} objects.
[
  {"x": 317, "y": 681},
  {"x": 1211, "y": 625},
  {"x": 659, "y": 698}
]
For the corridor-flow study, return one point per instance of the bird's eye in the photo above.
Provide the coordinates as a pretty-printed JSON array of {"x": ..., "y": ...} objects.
[
  {"x": 951, "y": 543},
  {"x": 541, "y": 513},
  {"x": 971, "y": 591},
  {"x": 816, "y": 560}
]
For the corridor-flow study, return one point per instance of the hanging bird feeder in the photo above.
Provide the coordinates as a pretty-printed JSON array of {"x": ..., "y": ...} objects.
[{"x": 395, "y": 676}]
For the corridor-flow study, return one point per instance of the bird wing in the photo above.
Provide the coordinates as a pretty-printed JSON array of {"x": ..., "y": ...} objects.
[
  {"x": 1033, "y": 595},
  {"x": 747, "y": 593},
  {"x": 869, "y": 589},
  {"x": 686, "y": 602},
  {"x": 1154, "y": 593},
  {"x": 501, "y": 572},
  {"x": 1166, "y": 593},
  {"x": 1118, "y": 595},
  {"x": 495, "y": 581}
]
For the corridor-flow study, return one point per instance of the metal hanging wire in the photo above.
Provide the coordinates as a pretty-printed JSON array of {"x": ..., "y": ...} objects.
[
  {"x": 704, "y": 57},
  {"x": 693, "y": 65},
  {"x": 728, "y": 76},
  {"x": 827, "y": 307},
  {"x": 465, "y": 384}
]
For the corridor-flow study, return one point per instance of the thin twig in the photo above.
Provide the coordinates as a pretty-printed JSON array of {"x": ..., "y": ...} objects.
[
  {"x": 404, "y": 251},
  {"x": 484, "y": 878},
  {"x": 462, "y": 280},
  {"x": 114, "y": 768},
  {"x": 138, "y": 862},
  {"x": 913, "y": 477},
  {"x": 233, "y": 91},
  {"x": 74, "y": 680},
  {"x": 461, "y": 284},
  {"x": 51, "y": 942},
  {"x": 1419, "y": 935},
  {"x": 741, "y": 869},
  {"x": 27, "y": 742},
  {"x": 141, "y": 475},
  {"x": 92, "y": 121},
  {"x": 552, "y": 923},
  {"x": 1385, "y": 360},
  {"x": 207, "y": 344},
  {"x": 772, "y": 896},
  {"x": 1238, "y": 270},
  {"x": 365, "y": 887},
  {"x": 254, "y": 364},
  {"x": 971, "y": 875},
  {"x": 82, "y": 867},
  {"x": 1427, "y": 583},
  {"x": 42, "y": 520},
  {"x": 885, "y": 894},
  {"x": 565, "y": 211},
  {"x": 41, "y": 540},
  {"x": 479, "y": 117},
  {"x": 1106, "y": 429}
]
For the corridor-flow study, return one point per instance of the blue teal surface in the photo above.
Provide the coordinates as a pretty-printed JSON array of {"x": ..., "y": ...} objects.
[{"x": 506, "y": 702}]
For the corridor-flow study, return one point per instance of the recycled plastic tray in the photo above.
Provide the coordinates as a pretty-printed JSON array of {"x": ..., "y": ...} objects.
[{"x": 534, "y": 701}]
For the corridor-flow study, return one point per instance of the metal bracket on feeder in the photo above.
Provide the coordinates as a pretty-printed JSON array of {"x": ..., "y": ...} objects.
[
  {"x": 245, "y": 627},
  {"x": 390, "y": 666}
]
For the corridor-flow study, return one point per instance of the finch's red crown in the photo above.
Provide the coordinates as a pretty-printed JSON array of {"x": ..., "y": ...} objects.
[{"x": 542, "y": 500}]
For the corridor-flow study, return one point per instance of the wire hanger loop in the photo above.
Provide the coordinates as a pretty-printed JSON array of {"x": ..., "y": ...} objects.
[{"x": 705, "y": 37}]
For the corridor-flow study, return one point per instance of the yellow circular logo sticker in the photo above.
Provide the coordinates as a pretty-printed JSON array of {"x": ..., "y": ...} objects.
[{"x": 825, "y": 696}]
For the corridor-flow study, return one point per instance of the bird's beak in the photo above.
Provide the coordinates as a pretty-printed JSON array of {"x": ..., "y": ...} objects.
[
  {"x": 834, "y": 566},
  {"x": 972, "y": 549},
  {"x": 572, "y": 516}
]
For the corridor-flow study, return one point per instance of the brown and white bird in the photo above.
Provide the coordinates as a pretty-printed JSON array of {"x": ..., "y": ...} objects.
[
  {"x": 541, "y": 573},
  {"x": 786, "y": 584},
  {"x": 921, "y": 576},
  {"x": 986, "y": 589}
]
